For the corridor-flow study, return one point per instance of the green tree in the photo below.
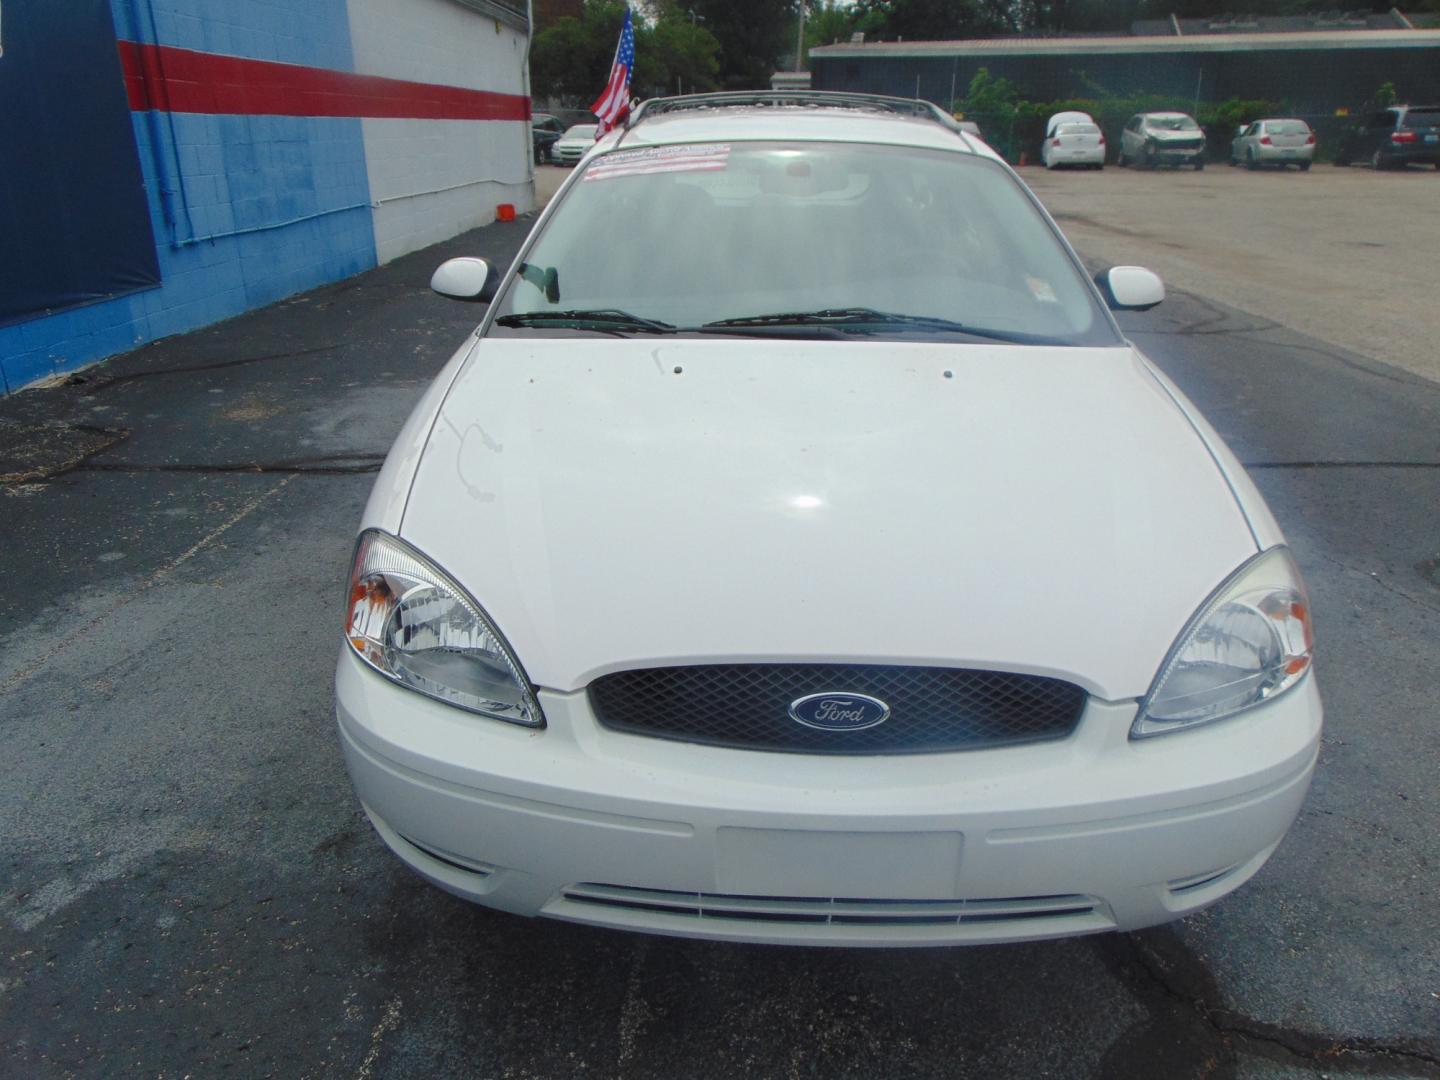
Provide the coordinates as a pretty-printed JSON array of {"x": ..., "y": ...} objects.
[
  {"x": 687, "y": 53},
  {"x": 753, "y": 36},
  {"x": 571, "y": 59},
  {"x": 939, "y": 20}
]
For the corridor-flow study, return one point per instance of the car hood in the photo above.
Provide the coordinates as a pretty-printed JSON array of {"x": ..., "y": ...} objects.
[{"x": 638, "y": 502}]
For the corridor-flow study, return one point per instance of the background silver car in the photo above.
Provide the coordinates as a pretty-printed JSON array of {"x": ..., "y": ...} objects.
[
  {"x": 1162, "y": 138},
  {"x": 1274, "y": 142}
]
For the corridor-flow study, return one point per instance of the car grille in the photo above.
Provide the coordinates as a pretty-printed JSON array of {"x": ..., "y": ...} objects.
[
  {"x": 747, "y": 705},
  {"x": 1182, "y": 144}
]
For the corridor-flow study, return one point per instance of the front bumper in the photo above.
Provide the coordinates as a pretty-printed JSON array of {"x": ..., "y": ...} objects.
[
  {"x": 1091, "y": 833},
  {"x": 1174, "y": 155}
]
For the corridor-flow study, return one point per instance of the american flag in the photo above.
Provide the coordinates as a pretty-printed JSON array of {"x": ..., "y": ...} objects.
[{"x": 614, "y": 101}]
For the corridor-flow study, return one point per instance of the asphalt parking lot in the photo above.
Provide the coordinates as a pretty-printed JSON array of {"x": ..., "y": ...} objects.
[
  {"x": 188, "y": 888},
  {"x": 1349, "y": 256}
]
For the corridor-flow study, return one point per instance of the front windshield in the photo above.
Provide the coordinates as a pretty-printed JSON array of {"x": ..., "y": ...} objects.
[
  {"x": 698, "y": 234},
  {"x": 581, "y": 131},
  {"x": 1173, "y": 123}
]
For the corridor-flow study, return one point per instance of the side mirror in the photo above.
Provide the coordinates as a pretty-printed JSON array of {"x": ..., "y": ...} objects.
[
  {"x": 466, "y": 279},
  {"x": 1240, "y": 130},
  {"x": 1130, "y": 288}
]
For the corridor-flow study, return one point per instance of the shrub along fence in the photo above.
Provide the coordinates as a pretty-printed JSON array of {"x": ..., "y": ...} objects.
[{"x": 1016, "y": 127}]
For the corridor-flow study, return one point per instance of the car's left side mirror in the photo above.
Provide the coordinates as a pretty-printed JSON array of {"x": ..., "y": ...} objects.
[
  {"x": 466, "y": 278},
  {"x": 1240, "y": 130}
]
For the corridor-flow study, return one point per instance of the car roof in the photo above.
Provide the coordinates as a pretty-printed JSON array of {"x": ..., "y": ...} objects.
[
  {"x": 1168, "y": 115},
  {"x": 798, "y": 123}
]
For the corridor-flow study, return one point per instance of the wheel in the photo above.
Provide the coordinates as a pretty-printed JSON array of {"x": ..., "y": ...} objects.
[
  {"x": 1250, "y": 162},
  {"x": 1199, "y": 164},
  {"x": 1120, "y": 161},
  {"x": 1151, "y": 160},
  {"x": 1305, "y": 166},
  {"x": 1378, "y": 162},
  {"x": 1342, "y": 161}
]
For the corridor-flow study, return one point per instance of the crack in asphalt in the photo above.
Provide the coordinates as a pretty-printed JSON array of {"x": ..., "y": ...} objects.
[
  {"x": 324, "y": 465},
  {"x": 1158, "y": 959},
  {"x": 110, "y": 437},
  {"x": 1342, "y": 464},
  {"x": 1354, "y": 363},
  {"x": 94, "y": 383}
]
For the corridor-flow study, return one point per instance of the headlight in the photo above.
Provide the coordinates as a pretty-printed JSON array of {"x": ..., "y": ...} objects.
[
  {"x": 414, "y": 625},
  {"x": 1249, "y": 642}
]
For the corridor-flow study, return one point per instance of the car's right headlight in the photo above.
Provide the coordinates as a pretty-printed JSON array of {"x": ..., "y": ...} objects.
[
  {"x": 1251, "y": 640},
  {"x": 416, "y": 626}
]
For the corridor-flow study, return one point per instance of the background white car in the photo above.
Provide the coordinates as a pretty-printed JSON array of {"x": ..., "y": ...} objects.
[
  {"x": 577, "y": 141},
  {"x": 1274, "y": 142},
  {"x": 1072, "y": 116},
  {"x": 800, "y": 553},
  {"x": 1079, "y": 144}
]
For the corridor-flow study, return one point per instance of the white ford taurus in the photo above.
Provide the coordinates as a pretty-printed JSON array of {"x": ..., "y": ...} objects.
[{"x": 799, "y": 552}]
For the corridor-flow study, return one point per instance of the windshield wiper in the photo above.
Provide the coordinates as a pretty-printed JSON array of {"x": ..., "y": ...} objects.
[
  {"x": 611, "y": 319},
  {"x": 863, "y": 320}
]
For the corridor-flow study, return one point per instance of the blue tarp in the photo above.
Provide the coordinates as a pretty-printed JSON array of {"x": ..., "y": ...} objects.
[{"x": 74, "y": 221}]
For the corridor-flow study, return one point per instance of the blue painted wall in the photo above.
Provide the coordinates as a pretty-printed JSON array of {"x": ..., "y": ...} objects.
[
  {"x": 245, "y": 209},
  {"x": 311, "y": 32}
]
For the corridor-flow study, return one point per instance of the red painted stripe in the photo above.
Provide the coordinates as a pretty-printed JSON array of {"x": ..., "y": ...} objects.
[{"x": 182, "y": 80}]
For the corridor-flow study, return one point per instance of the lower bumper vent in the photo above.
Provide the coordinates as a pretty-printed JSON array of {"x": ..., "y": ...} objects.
[{"x": 832, "y": 911}]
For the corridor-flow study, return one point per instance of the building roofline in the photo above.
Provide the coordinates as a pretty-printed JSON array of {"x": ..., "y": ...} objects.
[{"x": 1293, "y": 41}]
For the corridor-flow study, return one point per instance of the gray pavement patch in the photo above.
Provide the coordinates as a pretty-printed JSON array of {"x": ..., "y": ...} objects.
[
  {"x": 34, "y": 452},
  {"x": 64, "y": 644}
]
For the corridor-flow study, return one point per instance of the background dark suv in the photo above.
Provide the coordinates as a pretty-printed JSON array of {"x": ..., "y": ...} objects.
[
  {"x": 544, "y": 131},
  {"x": 1394, "y": 137}
]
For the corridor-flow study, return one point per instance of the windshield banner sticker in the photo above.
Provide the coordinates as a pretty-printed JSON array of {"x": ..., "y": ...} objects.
[{"x": 707, "y": 157}]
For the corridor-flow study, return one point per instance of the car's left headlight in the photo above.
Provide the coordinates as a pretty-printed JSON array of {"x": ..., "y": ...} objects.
[
  {"x": 1249, "y": 642},
  {"x": 416, "y": 626}
]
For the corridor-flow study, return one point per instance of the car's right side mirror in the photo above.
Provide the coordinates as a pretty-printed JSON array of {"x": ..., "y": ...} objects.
[
  {"x": 466, "y": 278},
  {"x": 1130, "y": 288}
]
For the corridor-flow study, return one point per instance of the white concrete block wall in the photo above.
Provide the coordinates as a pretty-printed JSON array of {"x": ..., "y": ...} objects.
[{"x": 432, "y": 179}]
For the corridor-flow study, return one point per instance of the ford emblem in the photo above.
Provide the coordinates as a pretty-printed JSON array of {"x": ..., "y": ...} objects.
[{"x": 838, "y": 711}]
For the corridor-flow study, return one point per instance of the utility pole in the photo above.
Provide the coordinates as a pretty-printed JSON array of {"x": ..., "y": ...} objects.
[{"x": 800, "y": 38}]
